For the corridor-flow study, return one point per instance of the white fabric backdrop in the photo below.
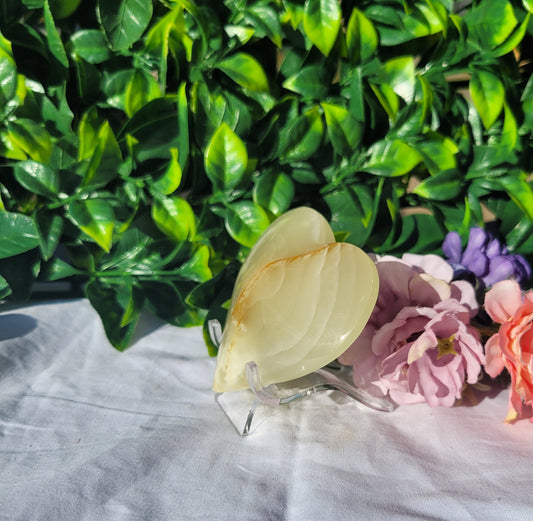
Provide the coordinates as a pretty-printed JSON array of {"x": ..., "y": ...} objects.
[{"x": 88, "y": 433}]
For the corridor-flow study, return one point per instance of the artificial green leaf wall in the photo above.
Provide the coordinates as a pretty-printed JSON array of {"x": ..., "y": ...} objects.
[{"x": 145, "y": 145}]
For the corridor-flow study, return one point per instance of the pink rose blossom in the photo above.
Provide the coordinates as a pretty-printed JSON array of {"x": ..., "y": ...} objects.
[
  {"x": 512, "y": 346},
  {"x": 418, "y": 345}
]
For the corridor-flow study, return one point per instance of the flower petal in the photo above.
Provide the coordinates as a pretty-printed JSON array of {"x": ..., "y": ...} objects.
[
  {"x": 428, "y": 385},
  {"x": 426, "y": 290},
  {"x": 503, "y": 300},
  {"x": 478, "y": 264},
  {"x": 425, "y": 341},
  {"x": 452, "y": 247},
  {"x": 494, "y": 361},
  {"x": 439, "y": 285},
  {"x": 465, "y": 293},
  {"x": 501, "y": 267},
  {"x": 359, "y": 348},
  {"x": 472, "y": 353},
  {"x": 493, "y": 248},
  {"x": 365, "y": 375},
  {"x": 474, "y": 257},
  {"x": 431, "y": 264}
]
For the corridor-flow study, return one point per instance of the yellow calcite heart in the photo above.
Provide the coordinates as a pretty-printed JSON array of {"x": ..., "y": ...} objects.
[{"x": 300, "y": 300}]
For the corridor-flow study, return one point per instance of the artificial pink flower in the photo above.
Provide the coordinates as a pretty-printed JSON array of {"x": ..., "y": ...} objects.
[
  {"x": 512, "y": 346},
  {"x": 418, "y": 344}
]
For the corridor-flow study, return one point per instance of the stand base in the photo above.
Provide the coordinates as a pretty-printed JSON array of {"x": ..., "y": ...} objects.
[{"x": 247, "y": 409}]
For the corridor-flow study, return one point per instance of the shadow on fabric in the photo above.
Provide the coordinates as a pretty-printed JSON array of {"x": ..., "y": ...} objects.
[{"x": 16, "y": 325}]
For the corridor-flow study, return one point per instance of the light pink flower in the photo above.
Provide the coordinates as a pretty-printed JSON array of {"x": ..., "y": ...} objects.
[
  {"x": 418, "y": 344},
  {"x": 512, "y": 346}
]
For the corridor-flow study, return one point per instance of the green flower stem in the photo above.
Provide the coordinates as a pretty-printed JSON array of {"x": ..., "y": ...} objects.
[{"x": 141, "y": 275}]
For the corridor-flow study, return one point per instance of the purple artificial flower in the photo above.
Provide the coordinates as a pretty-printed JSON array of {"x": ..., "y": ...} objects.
[{"x": 485, "y": 257}]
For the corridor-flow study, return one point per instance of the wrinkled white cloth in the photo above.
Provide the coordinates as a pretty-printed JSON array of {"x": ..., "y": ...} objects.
[{"x": 88, "y": 433}]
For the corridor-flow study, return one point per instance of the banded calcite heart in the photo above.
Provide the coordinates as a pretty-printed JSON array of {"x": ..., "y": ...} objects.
[{"x": 299, "y": 301}]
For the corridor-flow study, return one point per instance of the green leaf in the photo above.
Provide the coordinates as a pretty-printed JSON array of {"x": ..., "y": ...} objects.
[
  {"x": 54, "y": 39},
  {"x": 514, "y": 39},
  {"x": 241, "y": 32},
  {"x": 20, "y": 272},
  {"x": 37, "y": 178},
  {"x": 226, "y": 159},
  {"x": 302, "y": 138},
  {"x": 174, "y": 217},
  {"x": 321, "y": 23},
  {"x": 441, "y": 187},
  {"x": 91, "y": 45},
  {"x": 487, "y": 93},
  {"x": 274, "y": 192},
  {"x": 351, "y": 212},
  {"x": 357, "y": 95},
  {"x": 182, "y": 141},
  {"x": 246, "y": 71},
  {"x": 158, "y": 39},
  {"x": 245, "y": 222},
  {"x": 87, "y": 79},
  {"x": 118, "y": 306},
  {"x": 88, "y": 128},
  {"x": 490, "y": 23},
  {"x": 113, "y": 87},
  {"x": 155, "y": 127},
  {"x": 197, "y": 267},
  {"x": 490, "y": 159},
  {"x": 18, "y": 234},
  {"x": 527, "y": 105},
  {"x": 438, "y": 151},
  {"x": 361, "y": 37},
  {"x": 387, "y": 97},
  {"x": 171, "y": 178},
  {"x": 32, "y": 138},
  {"x": 201, "y": 17},
  {"x": 164, "y": 299},
  {"x": 399, "y": 73},
  {"x": 429, "y": 235},
  {"x": 509, "y": 135},
  {"x": 427, "y": 98},
  {"x": 56, "y": 113},
  {"x": 5, "y": 290},
  {"x": 310, "y": 82},
  {"x": 8, "y": 73},
  {"x": 217, "y": 290},
  {"x": 344, "y": 130},
  {"x": 141, "y": 89},
  {"x": 124, "y": 21},
  {"x": 105, "y": 161},
  {"x": 520, "y": 191},
  {"x": 57, "y": 269},
  {"x": 392, "y": 158},
  {"x": 520, "y": 238},
  {"x": 294, "y": 11},
  {"x": 142, "y": 250},
  {"x": 95, "y": 217},
  {"x": 399, "y": 26},
  {"x": 306, "y": 175},
  {"x": 63, "y": 8},
  {"x": 49, "y": 226},
  {"x": 266, "y": 22}
]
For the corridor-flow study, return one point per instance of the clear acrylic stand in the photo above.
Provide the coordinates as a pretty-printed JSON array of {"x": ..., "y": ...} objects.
[{"x": 248, "y": 408}]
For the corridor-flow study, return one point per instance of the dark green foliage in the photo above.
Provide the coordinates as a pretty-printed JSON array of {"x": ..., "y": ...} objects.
[{"x": 144, "y": 146}]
